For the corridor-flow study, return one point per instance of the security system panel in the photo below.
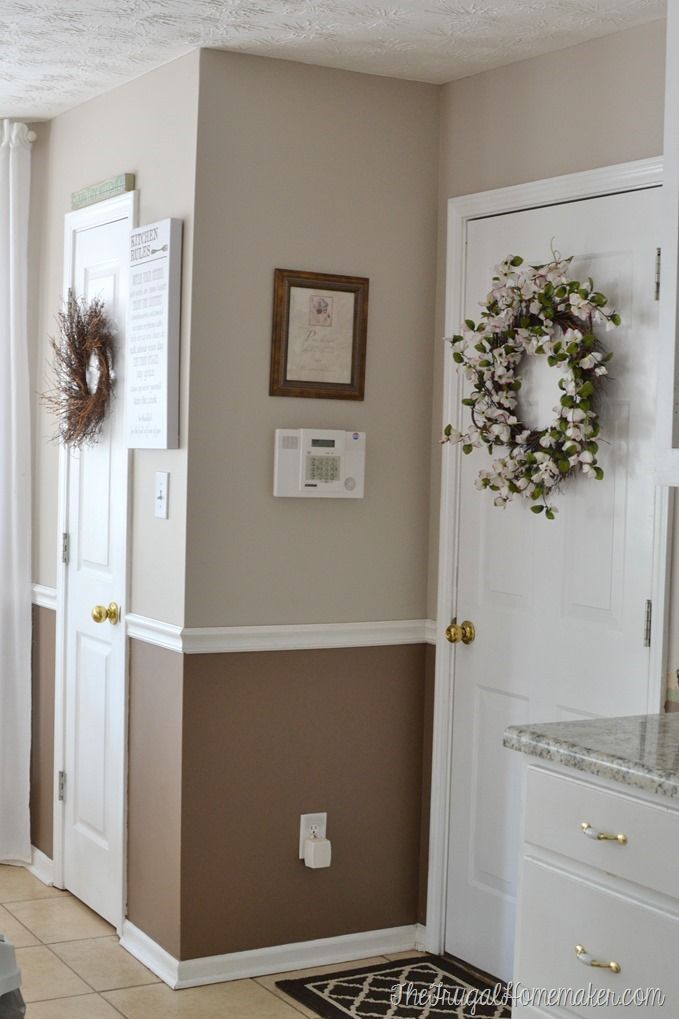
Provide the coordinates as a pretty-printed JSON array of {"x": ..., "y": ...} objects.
[{"x": 319, "y": 464}]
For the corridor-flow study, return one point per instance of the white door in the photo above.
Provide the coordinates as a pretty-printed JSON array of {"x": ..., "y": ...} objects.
[
  {"x": 97, "y": 245},
  {"x": 558, "y": 605}
]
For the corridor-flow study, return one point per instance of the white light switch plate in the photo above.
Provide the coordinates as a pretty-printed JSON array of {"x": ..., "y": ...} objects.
[
  {"x": 162, "y": 492},
  {"x": 305, "y": 823}
]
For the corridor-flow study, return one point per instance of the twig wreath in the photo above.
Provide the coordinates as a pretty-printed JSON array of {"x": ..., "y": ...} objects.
[
  {"x": 83, "y": 369},
  {"x": 534, "y": 310}
]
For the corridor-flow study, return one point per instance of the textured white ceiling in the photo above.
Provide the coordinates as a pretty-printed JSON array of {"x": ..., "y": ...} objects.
[{"x": 57, "y": 53}]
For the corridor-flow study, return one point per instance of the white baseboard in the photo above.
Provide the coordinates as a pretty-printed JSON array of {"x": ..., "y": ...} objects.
[
  {"x": 263, "y": 961},
  {"x": 41, "y": 867}
]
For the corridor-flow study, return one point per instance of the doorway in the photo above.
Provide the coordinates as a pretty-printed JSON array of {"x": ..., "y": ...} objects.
[
  {"x": 559, "y": 606},
  {"x": 91, "y": 686}
]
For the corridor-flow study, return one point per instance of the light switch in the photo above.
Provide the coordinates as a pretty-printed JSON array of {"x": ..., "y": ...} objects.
[{"x": 162, "y": 491}]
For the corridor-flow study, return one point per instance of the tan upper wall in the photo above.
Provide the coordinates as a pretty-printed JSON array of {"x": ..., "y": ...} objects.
[
  {"x": 591, "y": 105},
  {"x": 147, "y": 127},
  {"x": 305, "y": 167}
]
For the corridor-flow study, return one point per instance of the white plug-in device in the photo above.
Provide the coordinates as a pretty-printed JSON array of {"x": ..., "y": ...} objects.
[
  {"x": 319, "y": 463},
  {"x": 317, "y": 853}
]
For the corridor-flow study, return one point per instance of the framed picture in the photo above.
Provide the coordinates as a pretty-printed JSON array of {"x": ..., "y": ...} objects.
[{"x": 320, "y": 325}]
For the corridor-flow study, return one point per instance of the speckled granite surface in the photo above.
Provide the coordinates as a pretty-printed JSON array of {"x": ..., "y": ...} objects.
[{"x": 641, "y": 751}]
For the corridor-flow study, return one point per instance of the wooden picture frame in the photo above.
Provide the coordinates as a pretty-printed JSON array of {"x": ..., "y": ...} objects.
[{"x": 318, "y": 345}]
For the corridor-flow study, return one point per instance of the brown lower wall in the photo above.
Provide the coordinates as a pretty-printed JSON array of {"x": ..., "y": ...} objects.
[
  {"x": 269, "y": 736},
  {"x": 42, "y": 743},
  {"x": 225, "y": 752},
  {"x": 154, "y": 793},
  {"x": 427, "y": 742}
]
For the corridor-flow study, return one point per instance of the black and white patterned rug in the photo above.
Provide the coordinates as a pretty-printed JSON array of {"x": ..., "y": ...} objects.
[{"x": 426, "y": 987}]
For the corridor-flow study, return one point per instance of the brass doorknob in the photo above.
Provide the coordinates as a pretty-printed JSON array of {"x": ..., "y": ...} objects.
[
  {"x": 464, "y": 632},
  {"x": 100, "y": 613}
]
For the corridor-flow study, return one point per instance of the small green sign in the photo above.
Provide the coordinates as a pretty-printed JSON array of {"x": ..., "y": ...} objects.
[{"x": 105, "y": 189}]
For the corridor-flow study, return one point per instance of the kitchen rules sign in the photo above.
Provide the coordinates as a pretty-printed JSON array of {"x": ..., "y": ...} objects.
[{"x": 152, "y": 362}]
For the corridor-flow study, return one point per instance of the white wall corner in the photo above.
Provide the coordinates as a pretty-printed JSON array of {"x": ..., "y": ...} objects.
[
  {"x": 148, "y": 952},
  {"x": 45, "y": 597},
  {"x": 154, "y": 631},
  {"x": 420, "y": 937},
  {"x": 263, "y": 961},
  {"x": 41, "y": 866}
]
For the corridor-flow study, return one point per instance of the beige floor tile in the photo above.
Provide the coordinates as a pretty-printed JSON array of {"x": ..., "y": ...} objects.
[
  {"x": 104, "y": 964},
  {"x": 16, "y": 884},
  {"x": 87, "y": 1006},
  {"x": 270, "y": 981},
  {"x": 43, "y": 976},
  {"x": 14, "y": 931},
  {"x": 240, "y": 999},
  {"x": 54, "y": 920}
]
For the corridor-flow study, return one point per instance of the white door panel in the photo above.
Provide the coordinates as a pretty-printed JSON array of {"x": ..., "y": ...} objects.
[
  {"x": 95, "y": 654},
  {"x": 558, "y": 605}
]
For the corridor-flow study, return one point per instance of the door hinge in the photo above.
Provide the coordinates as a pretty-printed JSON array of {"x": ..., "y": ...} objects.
[
  {"x": 648, "y": 619},
  {"x": 65, "y": 547},
  {"x": 62, "y": 786},
  {"x": 658, "y": 260}
]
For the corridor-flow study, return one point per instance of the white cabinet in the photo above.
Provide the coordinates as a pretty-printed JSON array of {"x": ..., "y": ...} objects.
[{"x": 598, "y": 899}]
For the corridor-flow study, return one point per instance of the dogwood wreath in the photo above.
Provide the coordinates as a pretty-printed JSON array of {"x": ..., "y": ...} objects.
[{"x": 534, "y": 310}]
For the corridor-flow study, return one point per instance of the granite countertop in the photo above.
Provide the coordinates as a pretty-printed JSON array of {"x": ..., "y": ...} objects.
[{"x": 641, "y": 751}]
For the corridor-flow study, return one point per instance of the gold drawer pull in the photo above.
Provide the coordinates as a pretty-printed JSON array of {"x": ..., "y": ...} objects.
[
  {"x": 586, "y": 959},
  {"x": 602, "y": 836}
]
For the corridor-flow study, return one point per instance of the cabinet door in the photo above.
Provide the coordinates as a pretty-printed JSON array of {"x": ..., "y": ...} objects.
[{"x": 560, "y": 911}]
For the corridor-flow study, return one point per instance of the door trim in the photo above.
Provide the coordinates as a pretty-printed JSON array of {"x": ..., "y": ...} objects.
[
  {"x": 573, "y": 187},
  {"x": 123, "y": 206}
]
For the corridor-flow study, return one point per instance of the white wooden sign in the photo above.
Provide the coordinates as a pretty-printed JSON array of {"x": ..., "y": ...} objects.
[{"x": 152, "y": 362}]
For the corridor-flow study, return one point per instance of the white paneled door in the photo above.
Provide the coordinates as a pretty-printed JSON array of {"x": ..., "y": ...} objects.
[
  {"x": 559, "y": 606},
  {"x": 94, "y": 674}
]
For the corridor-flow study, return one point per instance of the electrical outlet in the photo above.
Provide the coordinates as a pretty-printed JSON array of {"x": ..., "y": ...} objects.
[{"x": 311, "y": 826}]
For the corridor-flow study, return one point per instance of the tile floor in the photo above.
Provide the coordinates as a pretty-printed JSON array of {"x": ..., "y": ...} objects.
[{"x": 73, "y": 967}]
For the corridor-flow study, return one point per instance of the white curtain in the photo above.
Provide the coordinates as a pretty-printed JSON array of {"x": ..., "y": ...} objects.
[{"x": 15, "y": 496}]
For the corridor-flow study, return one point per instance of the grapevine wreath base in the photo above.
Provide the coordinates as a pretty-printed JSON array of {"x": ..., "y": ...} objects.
[
  {"x": 83, "y": 368},
  {"x": 534, "y": 310}
]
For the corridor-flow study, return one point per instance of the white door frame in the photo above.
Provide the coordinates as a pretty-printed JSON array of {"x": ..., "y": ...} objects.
[
  {"x": 125, "y": 205},
  {"x": 568, "y": 188}
]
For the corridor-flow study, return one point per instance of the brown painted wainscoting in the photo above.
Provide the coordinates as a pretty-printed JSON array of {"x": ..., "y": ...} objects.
[
  {"x": 42, "y": 744},
  {"x": 227, "y": 750}
]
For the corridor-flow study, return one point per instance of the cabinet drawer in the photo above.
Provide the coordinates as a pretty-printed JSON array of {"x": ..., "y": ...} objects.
[
  {"x": 559, "y": 911},
  {"x": 556, "y": 809}
]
